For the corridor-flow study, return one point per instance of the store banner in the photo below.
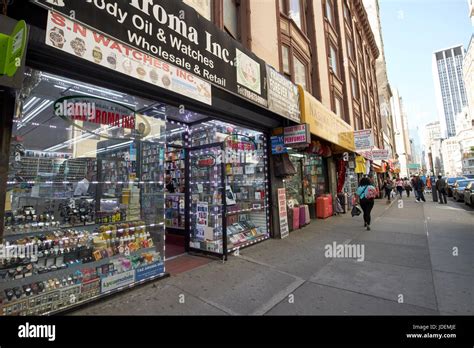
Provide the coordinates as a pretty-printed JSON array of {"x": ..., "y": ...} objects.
[
  {"x": 148, "y": 271},
  {"x": 297, "y": 135},
  {"x": 175, "y": 33},
  {"x": 113, "y": 282},
  {"x": 380, "y": 154},
  {"x": 283, "y": 97},
  {"x": 284, "y": 229},
  {"x": 324, "y": 123},
  {"x": 83, "y": 42},
  {"x": 13, "y": 39},
  {"x": 363, "y": 139},
  {"x": 278, "y": 145}
]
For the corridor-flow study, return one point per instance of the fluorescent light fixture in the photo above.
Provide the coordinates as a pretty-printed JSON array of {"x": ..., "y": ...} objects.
[
  {"x": 30, "y": 103},
  {"x": 296, "y": 155},
  {"x": 94, "y": 95},
  {"x": 43, "y": 106},
  {"x": 81, "y": 85}
]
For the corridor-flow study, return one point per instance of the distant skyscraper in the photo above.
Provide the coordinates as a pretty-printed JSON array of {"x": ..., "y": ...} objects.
[{"x": 449, "y": 87}]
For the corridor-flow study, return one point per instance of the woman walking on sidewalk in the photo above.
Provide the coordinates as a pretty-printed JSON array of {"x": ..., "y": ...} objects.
[
  {"x": 388, "y": 187},
  {"x": 407, "y": 186},
  {"x": 366, "y": 194},
  {"x": 399, "y": 184}
]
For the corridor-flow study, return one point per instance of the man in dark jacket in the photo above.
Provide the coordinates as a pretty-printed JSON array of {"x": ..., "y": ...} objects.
[
  {"x": 441, "y": 188},
  {"x": 419, "y": 188}
]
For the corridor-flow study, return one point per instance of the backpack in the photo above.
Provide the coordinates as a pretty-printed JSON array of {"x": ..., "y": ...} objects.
[{"x": 370, "y": 192}]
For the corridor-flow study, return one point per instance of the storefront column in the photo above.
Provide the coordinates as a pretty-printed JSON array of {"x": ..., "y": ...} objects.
[
  {"x": 275, "y": 183},
  {"x": 332, "y": 177},
  {"x": 7, "y": 107}
]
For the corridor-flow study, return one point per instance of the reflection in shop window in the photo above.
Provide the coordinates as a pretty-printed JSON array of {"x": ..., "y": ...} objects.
[
  {"x": 231, "y": 18},
  {"x": 300, "y": 73},
  {"x": 295, "y": 12},
  {"x": 203, "y": 7}
]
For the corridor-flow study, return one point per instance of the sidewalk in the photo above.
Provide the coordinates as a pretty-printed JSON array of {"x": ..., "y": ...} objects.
[{"x": 408, "y": 269}]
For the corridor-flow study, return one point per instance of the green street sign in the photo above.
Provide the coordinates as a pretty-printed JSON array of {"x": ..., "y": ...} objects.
[{"x": 12, "y": 48}]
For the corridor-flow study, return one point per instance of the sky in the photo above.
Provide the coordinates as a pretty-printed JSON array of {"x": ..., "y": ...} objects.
[{"x": 412, "y": 30}]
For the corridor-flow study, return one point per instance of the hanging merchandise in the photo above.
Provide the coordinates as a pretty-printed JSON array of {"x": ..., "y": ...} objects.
[
  {"x": 360, "y": 165},
  {"x": 341, "y": 175}
]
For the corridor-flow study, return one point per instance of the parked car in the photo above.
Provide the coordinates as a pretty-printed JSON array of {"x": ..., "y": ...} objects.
[
  {"x": 469, "y": 176},
  {"x": 458, "y": 189},
  {"x": 469, "y": 194},
  {"x": 451, "y": 181}
]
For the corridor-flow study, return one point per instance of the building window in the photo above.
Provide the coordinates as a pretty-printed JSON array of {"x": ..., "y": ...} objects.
[
  {"x": 231, "y": 17},
  {"x": 366, "y": 102},
  {"x": 347, "y": 14},
  {"x": 330, "y": 12},
  {"x": 350, "y": 47},
  {"x": 300, "y": 72},
  {"x": 285, "y": 54},
  {"x": 294, "y": 9},
  {"x": 203, "y": 7},
  {"x": 355, "y": 87},
  {"x": 338, "y": 108},
  {"x": 333, "y": 59}
]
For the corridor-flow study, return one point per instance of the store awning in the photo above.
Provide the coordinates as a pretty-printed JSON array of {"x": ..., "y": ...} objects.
[{"x": 324, "y": 123}]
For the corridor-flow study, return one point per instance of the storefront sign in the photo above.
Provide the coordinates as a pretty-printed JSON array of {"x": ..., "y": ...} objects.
[
  {"x": 380, "y": 154},
  {"x": 283, "y": 97},
  {"x": 297, "y": 135},
  {"x": 363, "y": 139},
  {"x": 414, "y": 166},
  {"x": 94, "y": 110},
  {"x": 177, "y": 34},
  {"x": 148, "y": 271},
  {"x": 116, "y": 281},
  {"x": 13, "y": 38},
  {"x": 206, "y": 161},
  {"x": 76, "y": 39},
  {"x": 324, "y": 123},
  {"x": 284, "y": 229},
  {"x": 278, "y": 145}
]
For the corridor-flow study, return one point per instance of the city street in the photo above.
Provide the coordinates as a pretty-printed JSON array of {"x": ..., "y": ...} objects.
[{"x": 418, "y": 260}]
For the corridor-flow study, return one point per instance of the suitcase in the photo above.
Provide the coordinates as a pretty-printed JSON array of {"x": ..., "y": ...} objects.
[
  {"x": 290, "y": 219},
  {"x": 324, "y": 207},
  {"x": 296, "y": 218}
]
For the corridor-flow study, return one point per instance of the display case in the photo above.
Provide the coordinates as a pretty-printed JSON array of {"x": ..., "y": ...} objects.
[
  {"x": 84, "y": 210},
  {"x": 229, "y": 185}
]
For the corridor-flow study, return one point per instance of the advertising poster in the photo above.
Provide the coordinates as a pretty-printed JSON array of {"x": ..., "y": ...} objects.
[
  {"x": 148, "y": 271},
  {"x": 380, "y": 155},
  {"x": 202, "y": 219},
  {"x": 297, "y": 135},
  {"x": 284, "y": 229},
  {"x": 363, "y": 139},
  {"x": 176, "y": 34},
  {"x": 116, "y": 281},
  {"x": 278, "y": 145},
  {"x": 13, "y": 43},
  {"x": 83, "y": 42}
]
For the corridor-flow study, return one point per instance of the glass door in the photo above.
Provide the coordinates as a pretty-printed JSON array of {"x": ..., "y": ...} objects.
[{"x": 206, "y": 203}]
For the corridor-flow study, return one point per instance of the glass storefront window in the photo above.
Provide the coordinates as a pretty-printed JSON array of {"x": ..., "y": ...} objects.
[{"x": 85, "y": 194}]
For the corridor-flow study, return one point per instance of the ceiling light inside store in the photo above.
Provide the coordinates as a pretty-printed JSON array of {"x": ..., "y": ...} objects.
[
  {"x": 30, "y": 104},
  {"x": 102, "y": 90},
  {"x": 94, "y": 95},
  {"x": 45, "y": 104}
]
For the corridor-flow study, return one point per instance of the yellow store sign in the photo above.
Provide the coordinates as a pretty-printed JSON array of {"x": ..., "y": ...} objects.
[{"x": 324, "y": 123}]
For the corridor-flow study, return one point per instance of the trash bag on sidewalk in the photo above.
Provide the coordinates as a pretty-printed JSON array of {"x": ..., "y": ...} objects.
[{"x": 356, "y": 210}]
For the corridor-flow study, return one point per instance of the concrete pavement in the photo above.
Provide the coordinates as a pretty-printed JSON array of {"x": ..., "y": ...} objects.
[{"x": 418, "y": 260}]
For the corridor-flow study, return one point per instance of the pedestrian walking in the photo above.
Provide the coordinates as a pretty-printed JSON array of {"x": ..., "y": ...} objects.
[
  {"x": 419, "y": 188},
  {"x": 399, "y": 184},
  {"x": 441, "y": 188},
  {"x": 413, "y": 183},
  {"x": 388, "y": 187},
  {"x": 407, "y": 186},
  {"x": 366, "y": 194}
]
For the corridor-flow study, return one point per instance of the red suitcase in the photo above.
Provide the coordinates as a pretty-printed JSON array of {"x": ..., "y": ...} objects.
[
  {"x": 324, "y": 207},
  {"x": 296, "y": 218}
]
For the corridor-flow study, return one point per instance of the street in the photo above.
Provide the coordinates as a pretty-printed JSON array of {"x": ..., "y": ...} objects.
[{"x": 418, "y": 260}]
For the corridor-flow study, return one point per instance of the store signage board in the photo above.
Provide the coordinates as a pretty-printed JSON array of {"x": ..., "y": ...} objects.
[
  {"x": 283, "y": 97},
  {"x": 363, "y": 139},
  {"x": 83, "y": 42},
  {"x": 86, "y": 112},
  {"x": 380, "y": 154},
  {"x": 203, "y": 231},
  {"x": 297, "y": 135},
  {"x": 175, "y": 33},
  {"x": 13, "y": 39},
  {"x": 151, "y": 270},
  {"x": 324, "y": 123},
  {"x": 414, "y": 166},
  {"x": 206, "y": 161},
  {"x": 116, "y": 281},
  {"x": 278, "y": 145},
  {"x": 284, "y": 229}
]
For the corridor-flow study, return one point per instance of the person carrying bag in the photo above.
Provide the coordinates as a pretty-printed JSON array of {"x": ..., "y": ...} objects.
[{"x": 366, "y": 194}]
